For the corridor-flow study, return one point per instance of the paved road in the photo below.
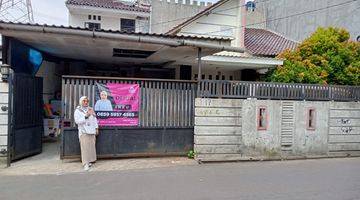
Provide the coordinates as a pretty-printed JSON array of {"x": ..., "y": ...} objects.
[{"x": 325, "y": 179}]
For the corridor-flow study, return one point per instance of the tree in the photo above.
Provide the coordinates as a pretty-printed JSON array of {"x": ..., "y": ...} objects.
[{"x": 326, "y": 57}]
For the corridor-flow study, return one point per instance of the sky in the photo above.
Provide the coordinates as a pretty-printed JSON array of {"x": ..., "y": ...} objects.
[{"x": 54, "y": 11}]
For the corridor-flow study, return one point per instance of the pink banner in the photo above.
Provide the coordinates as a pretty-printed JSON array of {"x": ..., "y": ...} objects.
[{"x": 117, "y": 104}]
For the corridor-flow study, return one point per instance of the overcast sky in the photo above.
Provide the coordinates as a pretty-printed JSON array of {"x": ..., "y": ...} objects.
[{"x": 54, "y": 11}]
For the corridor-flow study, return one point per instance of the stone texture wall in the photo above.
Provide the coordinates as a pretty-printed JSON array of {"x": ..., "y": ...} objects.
[
  {"x": 228, "y": 129},
  {"x": 4, "y": 99}
]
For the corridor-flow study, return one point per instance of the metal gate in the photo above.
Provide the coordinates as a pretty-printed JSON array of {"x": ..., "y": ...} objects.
[
  {"x": 26, "y": 121},
  {"x": 166, "y": 118}
]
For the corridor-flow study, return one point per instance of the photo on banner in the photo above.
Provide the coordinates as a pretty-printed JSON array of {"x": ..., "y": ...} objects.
[{"x": 117, "y": 104}]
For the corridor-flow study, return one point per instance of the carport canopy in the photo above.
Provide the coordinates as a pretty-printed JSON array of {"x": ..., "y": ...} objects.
[{"x": 114, "y": 47}]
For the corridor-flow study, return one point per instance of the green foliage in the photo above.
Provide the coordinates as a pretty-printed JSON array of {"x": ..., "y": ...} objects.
[
  {"x": 326, "y": 57},
  {"x": 191, "y": 154}
]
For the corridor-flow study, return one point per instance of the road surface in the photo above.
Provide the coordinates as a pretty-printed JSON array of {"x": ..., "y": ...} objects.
[{"x": 323, "y": 179}]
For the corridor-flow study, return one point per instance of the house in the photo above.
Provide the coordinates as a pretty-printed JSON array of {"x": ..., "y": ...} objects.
[
  {"x": 109, "y": 15},
  {"x": 227, "y": 18},
  {"x": 219, "y": 20},
  {"x": 48, "y": 60}
]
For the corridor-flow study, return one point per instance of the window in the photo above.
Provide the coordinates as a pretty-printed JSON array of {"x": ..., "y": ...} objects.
[
  {"x": 231, "y": 78},
  {"x": 217, "y": 77},
  {"x": 93, "y": 26},
  {"x": 203, "y": 76},
  {"x": 99, "y": 18},
  {"x": 94, "y": 17},
  {"x": 89, "y": 17},
  {"x": 262, "y": 118},
  {"x": 311, "y": 117},
  {"x": 127, "y": 25},
  {"x": 210, "y": 77},
  {"x": 223, "y": 77}
]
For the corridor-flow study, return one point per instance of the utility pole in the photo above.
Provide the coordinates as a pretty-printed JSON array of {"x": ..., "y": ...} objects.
[{"x": 16, "y": 11}]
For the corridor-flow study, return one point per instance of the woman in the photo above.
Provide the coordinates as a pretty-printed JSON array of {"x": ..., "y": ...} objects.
[
  {"x": 103, "y": 104},
  {"x": 87, "y": 123}
]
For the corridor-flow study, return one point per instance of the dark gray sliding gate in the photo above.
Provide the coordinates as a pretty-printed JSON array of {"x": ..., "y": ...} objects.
[
  {"x": 166, "y": 118},
  {"x": 26, "y": 116}
]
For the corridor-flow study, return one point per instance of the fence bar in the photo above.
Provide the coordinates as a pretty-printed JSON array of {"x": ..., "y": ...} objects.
[
  {"x": 264, "y": 90},
  {"x": 163, "y": 103}
]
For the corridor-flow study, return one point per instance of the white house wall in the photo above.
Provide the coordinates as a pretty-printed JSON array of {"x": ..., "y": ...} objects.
[
  {"x": 206, "y": 70},
  {"x": 220, "y": 22},
  {"x": 108, "y": 21},
  {"x": 168, "y": 14},
  {"x": 51, "y": 79}
]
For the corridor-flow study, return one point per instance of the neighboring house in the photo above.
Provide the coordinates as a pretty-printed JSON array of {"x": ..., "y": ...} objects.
[
  {"x": 298, "y": 19},
  {"x": 109, "y": 15},
  {"x": 167, "y": 14},
  {"x": 227, "y": 18}
]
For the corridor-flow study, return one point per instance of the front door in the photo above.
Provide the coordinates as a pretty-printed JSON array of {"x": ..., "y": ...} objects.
[{"x": 26, "y": 121}]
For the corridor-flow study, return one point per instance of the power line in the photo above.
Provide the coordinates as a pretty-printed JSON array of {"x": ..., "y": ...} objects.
[
  {"x": 160, "y": 23},
  {"x": 284, "y": 17},
  {"x": 16, "y": 11}
]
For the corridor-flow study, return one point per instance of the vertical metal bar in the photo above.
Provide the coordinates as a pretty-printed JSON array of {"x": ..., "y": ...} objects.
[
  {"x": 199, "y": 72},
  {"x": 141, "y": 104},
  {"x": 163, "y": 104},
  {"x": 146, "y": 108},
  {"x": 186, "y": 106},
  {"x": 167, "y": 107},
  {"x": 152, "y": 114},
  {"x": 158, "y": 106},
  {"x": 173, "y": 104}
]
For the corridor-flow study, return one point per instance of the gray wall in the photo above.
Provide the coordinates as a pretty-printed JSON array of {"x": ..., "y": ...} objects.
[
  {"x": 167, "y": 14},
  {"x": 344, "y": 128},
  {"x": 4, "y": 95},
  {"x": 227, "y": 129},
  {"x": 300, "y": 27}
]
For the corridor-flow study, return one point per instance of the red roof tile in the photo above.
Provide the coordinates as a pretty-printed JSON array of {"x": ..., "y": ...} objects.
[
  {"x": 112, "y": 4},
  {"x": 263, "y": 42}
]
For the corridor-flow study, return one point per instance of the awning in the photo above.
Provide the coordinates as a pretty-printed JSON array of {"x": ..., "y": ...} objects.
[{"x": 99, "y": 46}]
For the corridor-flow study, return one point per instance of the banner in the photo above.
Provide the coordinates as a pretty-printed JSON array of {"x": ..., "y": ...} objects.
[{"x": 117, "y": 104}]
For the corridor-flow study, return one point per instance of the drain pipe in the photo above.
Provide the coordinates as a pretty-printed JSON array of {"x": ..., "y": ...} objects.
[{"x": 173, "y": 42}]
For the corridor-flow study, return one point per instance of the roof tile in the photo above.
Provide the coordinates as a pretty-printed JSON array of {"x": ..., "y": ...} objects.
[{"x": 263, "y": 42}]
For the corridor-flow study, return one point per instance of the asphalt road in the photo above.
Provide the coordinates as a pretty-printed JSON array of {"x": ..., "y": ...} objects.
[{"x": 324, "y": 179}]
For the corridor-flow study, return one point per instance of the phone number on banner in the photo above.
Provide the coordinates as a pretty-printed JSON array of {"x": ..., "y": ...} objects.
[{"x": 116, "y": 114}]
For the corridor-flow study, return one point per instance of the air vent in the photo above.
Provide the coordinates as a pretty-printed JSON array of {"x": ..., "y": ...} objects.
[{"x": 128, "y": 53}]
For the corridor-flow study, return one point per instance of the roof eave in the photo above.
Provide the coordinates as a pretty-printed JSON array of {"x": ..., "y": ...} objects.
[{"x": 69, "y": 6}]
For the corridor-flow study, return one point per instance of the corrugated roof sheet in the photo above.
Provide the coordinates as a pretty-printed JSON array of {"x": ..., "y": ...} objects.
[
  {"x": 118, "y": 31},
  {"x": 111, "y": 4},
  {"x": 263, "y": 42}
]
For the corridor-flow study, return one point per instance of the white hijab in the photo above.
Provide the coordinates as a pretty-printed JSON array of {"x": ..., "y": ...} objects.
[{"x": 81, "y": 106}]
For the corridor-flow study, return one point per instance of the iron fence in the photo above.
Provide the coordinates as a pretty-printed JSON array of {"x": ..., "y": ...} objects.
[
  {"x": 263, "y": 90},
  {"x": 163, "y": 103}
]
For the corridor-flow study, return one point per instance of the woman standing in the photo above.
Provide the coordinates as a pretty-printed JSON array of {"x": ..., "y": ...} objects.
[{"x": 87, "y": 123}]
